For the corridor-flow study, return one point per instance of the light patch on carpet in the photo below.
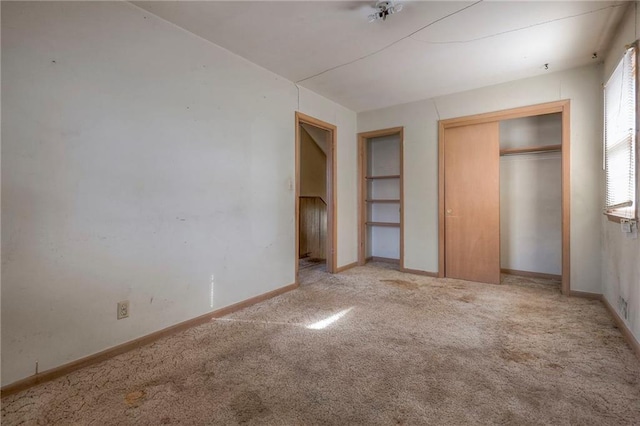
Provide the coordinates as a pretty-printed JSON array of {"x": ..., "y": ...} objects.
[{"x": 329, "y": 320}]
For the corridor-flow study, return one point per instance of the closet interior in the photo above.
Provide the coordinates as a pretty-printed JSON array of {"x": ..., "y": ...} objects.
[{"x": 531, "y": 196}]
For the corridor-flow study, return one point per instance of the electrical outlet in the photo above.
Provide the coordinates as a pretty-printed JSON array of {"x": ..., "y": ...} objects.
[
  {"x": 123, "y": 309},
  {"x": 629, "y": 228}
]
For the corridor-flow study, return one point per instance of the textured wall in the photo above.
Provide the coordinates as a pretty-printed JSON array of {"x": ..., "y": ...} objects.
[{"x": 141, "y": 163}]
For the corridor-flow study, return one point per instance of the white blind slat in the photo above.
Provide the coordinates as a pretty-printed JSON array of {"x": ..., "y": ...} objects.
[{"x": 619, "y": 137}]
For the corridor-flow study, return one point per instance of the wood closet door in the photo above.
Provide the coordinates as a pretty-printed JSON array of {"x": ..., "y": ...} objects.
[{"x": 472, "y": 202}]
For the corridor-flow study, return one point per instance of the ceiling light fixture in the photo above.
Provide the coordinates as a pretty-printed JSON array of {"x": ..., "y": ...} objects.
[{"x": 384, "y": 9}]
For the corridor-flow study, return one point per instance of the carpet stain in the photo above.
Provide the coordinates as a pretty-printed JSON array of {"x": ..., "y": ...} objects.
[
  {"x": 247, "y": 406},
  {"x": 133, "y": 399},
  {"x": 467, "y": 298},
  {"x": 530, "y": 308},
  {"x": 435, "y": 394},
  {"x": 407, "y": 285},
  {"x": 517, "y": 356}
]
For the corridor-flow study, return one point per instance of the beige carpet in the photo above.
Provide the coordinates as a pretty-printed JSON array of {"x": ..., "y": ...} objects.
[{"x": 402, "y": 349}]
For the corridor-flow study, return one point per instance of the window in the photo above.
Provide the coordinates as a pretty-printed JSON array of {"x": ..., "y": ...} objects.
[{"x": 620, "y": 139}]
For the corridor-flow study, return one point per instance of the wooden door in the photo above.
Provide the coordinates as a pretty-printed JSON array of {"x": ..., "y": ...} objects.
[
  {"x": 313, "y": 227},
  {"x": 472, "y": 202}
]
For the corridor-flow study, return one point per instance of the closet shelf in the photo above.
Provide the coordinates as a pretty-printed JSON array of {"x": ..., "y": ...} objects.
[
  {"x": 383, "y": 177},
  {"x": 390, "y": 224},
  {"x": 531, "y": 150},
  {"x": 382, "y": 201}
]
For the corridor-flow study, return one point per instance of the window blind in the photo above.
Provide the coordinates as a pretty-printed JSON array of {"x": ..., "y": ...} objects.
[{"x": 620, "y": 138}]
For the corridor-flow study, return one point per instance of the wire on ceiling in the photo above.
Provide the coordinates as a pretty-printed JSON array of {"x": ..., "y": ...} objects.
[
  {"x": 458, "y": 41},
  {"x": 390, "y": 44},
  {"x": 518, "y": 29}
]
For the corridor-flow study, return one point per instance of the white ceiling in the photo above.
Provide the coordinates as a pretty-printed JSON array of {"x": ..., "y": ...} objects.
[{"x": 430, "y": 48}]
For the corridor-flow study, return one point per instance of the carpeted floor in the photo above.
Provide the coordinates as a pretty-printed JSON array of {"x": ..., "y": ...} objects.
[{"x": 369, "y": 346}]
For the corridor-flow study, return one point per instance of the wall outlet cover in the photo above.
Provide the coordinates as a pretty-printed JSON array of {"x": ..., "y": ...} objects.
[{"x": 629, "y": 228}]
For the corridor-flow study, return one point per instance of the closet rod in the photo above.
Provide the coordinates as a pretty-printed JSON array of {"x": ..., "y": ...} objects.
[{"x": 530, "y": 150}]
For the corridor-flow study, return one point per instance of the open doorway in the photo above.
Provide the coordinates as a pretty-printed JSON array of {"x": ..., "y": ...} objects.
[{"x": 315, "y": 194}]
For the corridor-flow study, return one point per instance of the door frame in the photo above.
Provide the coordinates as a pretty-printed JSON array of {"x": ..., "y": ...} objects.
[
  {"x": 331, "y": 238},
  {"x": 562, "y": 107},
  {"x": 362, "y": 207}
]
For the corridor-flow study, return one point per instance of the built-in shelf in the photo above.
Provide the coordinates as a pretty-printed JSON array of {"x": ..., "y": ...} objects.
[
  {"x": 531, "y": 150},
  {"x": 383, "y": 201},
  {"x": 380, "y": 222},
  {"x": 390, "y": 224},
  {"x": 383, "y": 177}
]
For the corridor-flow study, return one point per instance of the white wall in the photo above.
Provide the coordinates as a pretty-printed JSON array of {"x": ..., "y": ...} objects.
[
  {"x": 531, "y": 213},
  {"x": 621, "y": 255},
  {"x": 527, "y": 132},
  {"x": 531, "y": 196},
  {"x": 141, "y": 163},
  {"x": 581, "y": 86}
]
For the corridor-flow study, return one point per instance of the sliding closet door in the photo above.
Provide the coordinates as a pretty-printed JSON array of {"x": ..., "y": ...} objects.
[{"x": 472, "y": 202}]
